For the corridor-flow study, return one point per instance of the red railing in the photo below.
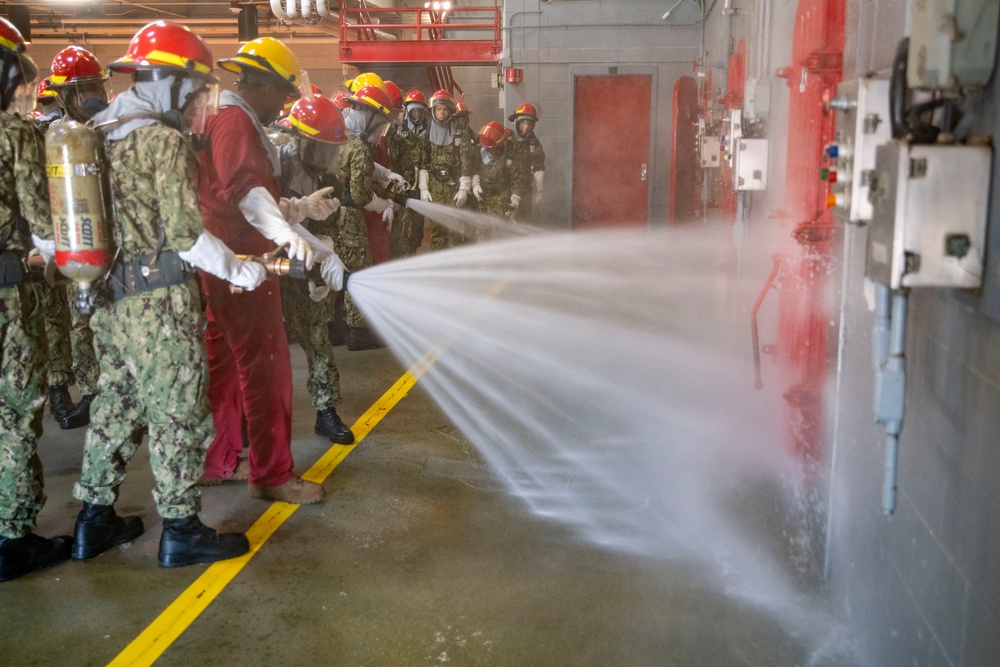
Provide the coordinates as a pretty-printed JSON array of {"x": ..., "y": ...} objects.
[{"x": 425, "y": 38}]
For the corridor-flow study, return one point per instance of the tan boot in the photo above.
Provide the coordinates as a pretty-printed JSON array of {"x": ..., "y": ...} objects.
[
  {"x": 296, "y": 490},
  {"x": 241, "y": 474}
]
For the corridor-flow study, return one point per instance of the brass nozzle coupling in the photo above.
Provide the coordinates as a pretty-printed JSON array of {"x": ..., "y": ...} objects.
[{"x": 275, "y": 266}]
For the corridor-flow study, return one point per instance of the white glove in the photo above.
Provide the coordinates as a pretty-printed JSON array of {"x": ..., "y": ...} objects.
[
  {"x": 539, "y": 177},
  {"x": 213, "y": 256},
  {"x": 425, "y": 194},
  {"x": 316, "y": 206},
  {"x": 332, "y": 270},
  {"x": 515, "y": 202},
  {"x": 377, "y": 204},
  {"x": 47, "y": 247},
  {"x": 464, "y": 184},
  {"x": 321, "y": 250},
  {"x": 389, "y": 179},
  {"x": 387, "y": 217},
  {"x": 261, "y": 211},
  {"x": 477, "y": 187}
]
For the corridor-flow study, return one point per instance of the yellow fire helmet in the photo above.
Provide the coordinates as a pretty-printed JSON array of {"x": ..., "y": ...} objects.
[
  {"x": 269, "y": 55},
  {"x": 364, "y": 80}
]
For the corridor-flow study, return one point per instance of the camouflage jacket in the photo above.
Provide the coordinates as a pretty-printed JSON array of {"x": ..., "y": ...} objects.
[
  {"x": 505, "y": 176},
  {"x": 404, "y": 152},
  {"x": 358, "y": 168},
  {"x": 24, "y": 192},
  {"x": 154, "y": 189},
  {"x": 530, "y": 151},
  {"x": 442, "y": 162}
]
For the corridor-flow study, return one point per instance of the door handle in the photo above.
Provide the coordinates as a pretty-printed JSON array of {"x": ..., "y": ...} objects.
[{"x": 643, "y": 171}]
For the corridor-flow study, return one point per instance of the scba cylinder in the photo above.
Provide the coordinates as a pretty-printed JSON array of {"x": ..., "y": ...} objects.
[{"x": 76, "y": 187}]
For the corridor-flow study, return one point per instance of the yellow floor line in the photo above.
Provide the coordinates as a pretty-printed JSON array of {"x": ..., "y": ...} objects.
[{"x": 168, "y": 626}]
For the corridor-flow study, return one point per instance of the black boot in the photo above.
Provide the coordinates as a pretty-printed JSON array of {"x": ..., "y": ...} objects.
[
  {"x": 21, "y": 555},
  {"x": 363, "y": 338},
  {"x": 60, "y": 402},
  {"x": 98, "y": 529},
  {"x": 78, "y": 416},
  {"x": 330, "y": 425},
  {"x": 188, "y": 541}
]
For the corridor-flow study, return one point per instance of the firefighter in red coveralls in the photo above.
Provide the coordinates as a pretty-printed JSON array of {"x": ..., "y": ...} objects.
[{"x": 251, "y": 374}]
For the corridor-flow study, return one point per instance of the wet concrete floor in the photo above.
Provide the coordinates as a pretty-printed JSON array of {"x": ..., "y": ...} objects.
[{"x": 417, "y": 557}]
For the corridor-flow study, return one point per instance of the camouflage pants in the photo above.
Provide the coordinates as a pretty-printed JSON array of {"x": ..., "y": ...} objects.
[
  {"x": 352, "y": 247},
  {"x": 306, "y": 321},
  {"x": 498, "y": 206},
  {"x": 442, "y": 193},
  {"x": 57, "y": 325},
  {"x": 151, "y": 348},
  {"x": 401, "y": 236},
  {"x": 523, "y": 213},
  {"x": 84, "y": 358},
  {"x": 22, "y": 395}
]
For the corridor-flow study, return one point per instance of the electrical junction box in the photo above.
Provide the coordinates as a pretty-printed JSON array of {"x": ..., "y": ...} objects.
[
  {"x": 929, "y": 210},
  {"x": 953, "y": 43},
  {"x": 862, "y": 124},
  {"x": 751, "y": 164},
  {"x": 710, "y": 151},
  {"x": 732, "y": 136}
]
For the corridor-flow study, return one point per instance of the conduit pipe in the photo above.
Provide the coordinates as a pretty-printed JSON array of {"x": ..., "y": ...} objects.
[
  {"x": 888, "y": 348},
  {"x": 291, "y": 12}
]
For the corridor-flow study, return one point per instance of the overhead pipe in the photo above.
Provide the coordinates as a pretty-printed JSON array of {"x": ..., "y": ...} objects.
[{"x": 289, "y": 12}]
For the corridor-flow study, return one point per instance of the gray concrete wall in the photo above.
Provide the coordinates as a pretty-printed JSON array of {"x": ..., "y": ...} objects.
[
  {"x": 921, "y": 587},
  {"x": 557, "y": 40}
]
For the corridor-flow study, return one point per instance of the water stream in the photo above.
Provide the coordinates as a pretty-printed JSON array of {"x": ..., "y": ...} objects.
[{"x": 607, "y": 377}]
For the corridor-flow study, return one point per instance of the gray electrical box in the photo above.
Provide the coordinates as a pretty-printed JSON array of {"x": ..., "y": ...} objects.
[
  {"x": 862, "y": 124},
  {"x": 751, "y": 164},
  {"x": 953, "y": 43},
  {"x": 710, "y": 151},
  {"x": 929, "y": 208}
]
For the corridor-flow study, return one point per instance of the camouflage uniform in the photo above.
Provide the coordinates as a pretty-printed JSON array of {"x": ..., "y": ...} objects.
[
  {"x": 85, "y": 369},
  {"x": 404, "y": 151},
  {"x": 160, "y": 377},
  {"x": 528, "y": 153},
  {"x": 444, "y": 165},
  {"x": 499, "y": 179},
  {"x": 23, "y": 192},
  {"x": 306, "y": 319},
  {"x": 351, "y": 240},
  {"x": 55, "y": 305},
  {"x": 69, "y": 339}
]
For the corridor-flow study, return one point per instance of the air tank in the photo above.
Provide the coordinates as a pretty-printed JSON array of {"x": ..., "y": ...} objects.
[{"x": 76, "y": 188}]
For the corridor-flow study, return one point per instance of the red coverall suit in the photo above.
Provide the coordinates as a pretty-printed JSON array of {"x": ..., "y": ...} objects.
[{"x": 249, "y": 364}]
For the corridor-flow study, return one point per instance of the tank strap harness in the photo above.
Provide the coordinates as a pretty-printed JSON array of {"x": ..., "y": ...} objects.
[
  {"x": 145, "y": 273},
  {"x": 11, "y": 269}
]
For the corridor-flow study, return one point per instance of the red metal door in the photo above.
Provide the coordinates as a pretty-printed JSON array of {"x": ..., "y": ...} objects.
[{"x": 611, "y": 153}]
